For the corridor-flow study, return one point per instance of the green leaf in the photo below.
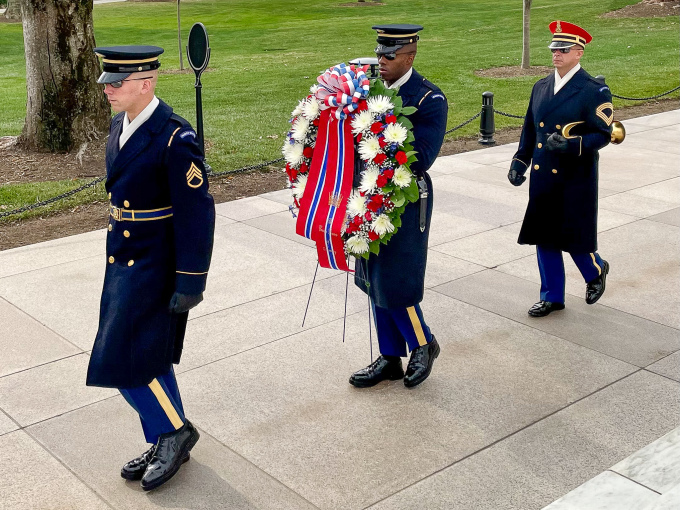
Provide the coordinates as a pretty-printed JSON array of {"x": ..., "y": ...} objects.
[
  {"x": 398, "y": 201},
  {"x": 405, "y": 122},
  {"x": 397, "y": 222},
  {"x": 411, "y": 159},
  {"x": 411, "y": 153},
  {"x": 374, "y": 247},
  {"x": 398, "y": 103},
  {"x": 409, "y": 137},
  {"x": 409, "y": 110},
  {"x": 411, "y": 191}
]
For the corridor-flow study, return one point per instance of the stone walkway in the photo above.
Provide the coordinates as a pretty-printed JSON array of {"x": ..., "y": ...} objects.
[{"x": 517, "y": 413}]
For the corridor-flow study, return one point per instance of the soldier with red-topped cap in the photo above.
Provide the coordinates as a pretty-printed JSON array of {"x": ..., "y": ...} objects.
[{"x": 568, "y": 121}]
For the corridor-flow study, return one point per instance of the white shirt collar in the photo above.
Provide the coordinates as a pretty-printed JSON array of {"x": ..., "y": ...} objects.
[
  {"x": 130, "y": 127},
  {"x": 561, "y": 82},
  {"x": 402, "y": 80}
]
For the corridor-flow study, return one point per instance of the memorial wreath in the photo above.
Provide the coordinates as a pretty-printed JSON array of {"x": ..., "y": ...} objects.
[{"x": 343, "y": 114}]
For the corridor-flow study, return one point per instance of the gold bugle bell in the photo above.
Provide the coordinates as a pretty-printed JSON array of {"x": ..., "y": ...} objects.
[{"x": 618, "y": 132}]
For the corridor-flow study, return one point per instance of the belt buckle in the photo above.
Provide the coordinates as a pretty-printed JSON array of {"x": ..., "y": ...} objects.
[{"x": 117, "y": 213}]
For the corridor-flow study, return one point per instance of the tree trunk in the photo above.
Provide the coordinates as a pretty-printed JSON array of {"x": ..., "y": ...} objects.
[
  {"x": 13, "y": 10},
  {"x": 179, "y": 40},
  {"x": 526, "y": 36},
  {"x": 65, "y": 106}
]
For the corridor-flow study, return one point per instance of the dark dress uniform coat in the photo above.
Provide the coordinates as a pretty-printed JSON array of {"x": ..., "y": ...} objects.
[
  {"x": 562, "y": 209},
  {"x": 395, "y": 278},
  {"x": 160, "y": 166}
]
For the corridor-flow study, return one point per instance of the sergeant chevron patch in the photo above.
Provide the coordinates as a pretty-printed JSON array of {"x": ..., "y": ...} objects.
[
  {"x": 194, "y": 176},
  {"x": 600, "y": 112}
]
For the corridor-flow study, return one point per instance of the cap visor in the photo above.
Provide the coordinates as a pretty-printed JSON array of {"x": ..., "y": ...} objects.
[
  {"x": 111, "y": 77},
  {"x": 555, "y": 45},
  {"x": 382, "y": 49}
]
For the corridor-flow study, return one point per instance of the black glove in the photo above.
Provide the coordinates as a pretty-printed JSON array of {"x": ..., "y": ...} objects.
[
  {"x": 181, "y": 303},
  {"x": 516, "y": 178},
  {"x": 556, "y": 142}
]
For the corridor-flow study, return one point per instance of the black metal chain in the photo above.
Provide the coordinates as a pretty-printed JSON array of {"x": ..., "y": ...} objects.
[
  {"x": 67, "y": 194},
  {"x": 245, "y": 168},
  {"x": 463, "y": 124},
  {"x": 508, "y": 114},
  {"x": 647, "y": 98}
]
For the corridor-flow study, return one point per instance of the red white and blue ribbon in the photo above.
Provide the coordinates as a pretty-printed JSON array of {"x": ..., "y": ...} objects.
[{"x": 323, "y": 207}]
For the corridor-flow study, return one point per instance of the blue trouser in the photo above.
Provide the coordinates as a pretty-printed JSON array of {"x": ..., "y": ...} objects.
[
  {"x": 551, "y": 267},
  {"x": 158, "y": 404},
  {"x": 400, "y": 327}
]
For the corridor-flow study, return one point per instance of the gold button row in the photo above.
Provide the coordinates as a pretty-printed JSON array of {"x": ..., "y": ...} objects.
[
  {"x": 130, "y": 262},
  {"x": 540, "y": 145},
  {"x": 541, "y": 124},
  {"x": 558, "y": 126},
  {"x": 536, "y": 167},
  {"x": 554, "y": 171}
]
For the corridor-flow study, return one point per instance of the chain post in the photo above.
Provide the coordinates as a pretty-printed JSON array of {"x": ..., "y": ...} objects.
[{"x": 487, "y": 125}]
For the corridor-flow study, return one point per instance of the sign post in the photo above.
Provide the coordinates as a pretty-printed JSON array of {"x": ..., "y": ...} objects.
[{"x": 198, "y": 54}]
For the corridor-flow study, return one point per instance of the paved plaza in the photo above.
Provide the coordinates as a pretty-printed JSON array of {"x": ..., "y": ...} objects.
[{"x": 582, "y": 407}]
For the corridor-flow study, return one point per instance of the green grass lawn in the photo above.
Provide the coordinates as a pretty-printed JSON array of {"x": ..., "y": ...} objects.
[{"x": 266, "y": 53}]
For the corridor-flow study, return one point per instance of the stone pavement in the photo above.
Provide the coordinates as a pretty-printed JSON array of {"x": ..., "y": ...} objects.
[{"x": 517, "y": 413}]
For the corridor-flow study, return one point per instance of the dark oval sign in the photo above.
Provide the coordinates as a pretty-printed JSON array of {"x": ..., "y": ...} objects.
[{"x": 198, "y": 48}]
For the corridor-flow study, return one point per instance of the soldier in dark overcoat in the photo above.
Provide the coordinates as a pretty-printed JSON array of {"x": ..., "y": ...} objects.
[
  {"x": 395, "y": 278},
  {"x": 568, "y": 121},
  {"x": 158, "y": 250}
]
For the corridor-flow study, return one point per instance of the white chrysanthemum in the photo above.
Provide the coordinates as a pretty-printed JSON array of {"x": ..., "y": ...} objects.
[
  {"x": 357, "y": 244},
  {"x": 382, "y": 225},
  {"x": 402, "y": 177},
  {"x": 314, "y": 89},
  {"x": 298, "y": 108},
  {"x": 356, "y": 205},
  {"x": 299, "y": 186},
  {"x": 300, "y": 128},
  {"x": 311, "y": 109},
  {"x": 292, "y": 152},
  {"x": 379, "y": 104},
  {"x": 368, "y": 179},
  {"x": 395, "y": 133},
  {"x": 362, "y": 122},
  {"x": 369, "y": 147}
]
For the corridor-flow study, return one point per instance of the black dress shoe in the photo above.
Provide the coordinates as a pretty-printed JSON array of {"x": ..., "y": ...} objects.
[
  {"x": 169, "y": 455},
  {"x": 420, "y": 364},
  {"x": 543, "y": 308},
  {"x": 134, "y": 470},
  {"x": 382, "y": 369},
  {"x": 595, "y": 288}
]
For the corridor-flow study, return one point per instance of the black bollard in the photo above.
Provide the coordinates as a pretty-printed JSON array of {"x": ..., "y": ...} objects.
[{"x": 487, "y": 126}]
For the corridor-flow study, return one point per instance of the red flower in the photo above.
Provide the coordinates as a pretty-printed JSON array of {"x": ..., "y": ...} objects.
[
  {"x": 389, "y": 173},
  {"x": 401, "y": 157},
  {"x": 359, "y": 137},
  {"x": 368, "y": 216},
  {"x": 388, "y": 203},
  {"x": 382, "y": 181},
  {"x": 363, "y": 106},
  {"x": 358, "y": 220},
  {"x": 304, "y": 168},
  {"x": 390, "y": 119},
  {"x": 351, "y": 228},
  {"x": 377, "y": 199},
  {"x": 308, "y": 152},
  {"x": 379, "y": 159},
  {"x": 372, "y": 206},
  {"x": 376, "y": 127},
  {"x": 382, "y": 142},
  {"x": 293, "y": 174},
  {"x": 316, "y": 122},
  {"x": 373, "y": 236}
]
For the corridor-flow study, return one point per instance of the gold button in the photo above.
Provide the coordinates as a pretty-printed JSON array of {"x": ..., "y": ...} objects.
[
  {"x": 536, "y": 167},
  {"x": 111, "y": 260},
  {"x": 110, "y": 227},
  {"x": 109, "y": 196},
  {"x": 126, "y": 204},
  {"x": 131, "y": 263},
  {"x": 126, "y": 233},
  {"x": 541, "y": 124},
  {"x": 540, "y": 145},
  {"x": 558, "y": 126},
  {"x": 554, "y": 171}
]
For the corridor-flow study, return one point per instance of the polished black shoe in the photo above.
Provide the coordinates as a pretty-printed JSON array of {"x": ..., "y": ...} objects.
[
  {"x": 420, "y": 364},
  {"x": 595, "y": 288},
  {"x": 170, "y": 452},
  {"x": 543, "y": 308},
  {"x": 382, "y": 369},
  {"x": 134, "y": 470}
]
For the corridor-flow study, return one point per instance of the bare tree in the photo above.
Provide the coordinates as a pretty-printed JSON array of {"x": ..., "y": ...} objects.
[
  {"x": 179, "y": 40},
  {"x": 13, "y": 10},
  {"x": 65, "y": 107},
  {"x": 526, "y": 36}
]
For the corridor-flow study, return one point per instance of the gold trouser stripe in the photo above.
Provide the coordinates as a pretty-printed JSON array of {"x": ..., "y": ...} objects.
[
  {"x": 193, "y": 274},
  {"x": 599, "y": 269},
  {"x": 173, "y": 135},
  {"x": 423, "y": 98},
  {"x": 165, "y": 403},
  {"x": 417, "y": 326}
]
